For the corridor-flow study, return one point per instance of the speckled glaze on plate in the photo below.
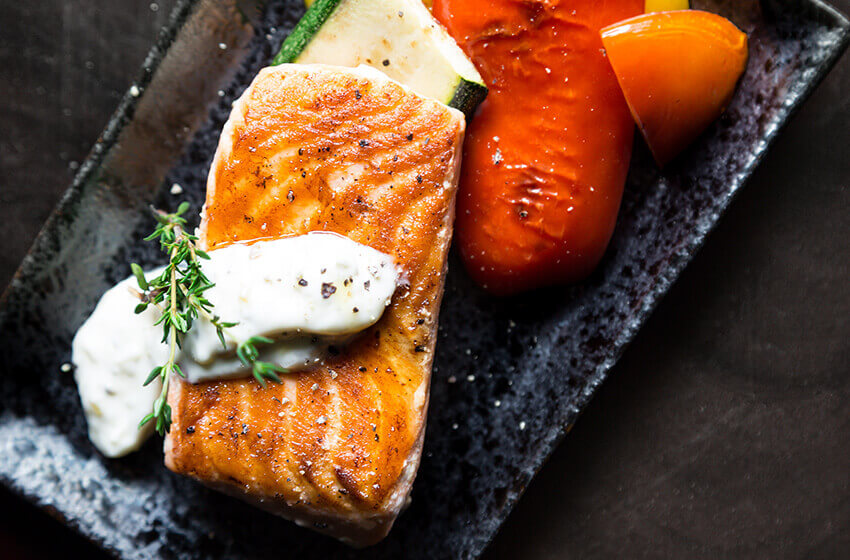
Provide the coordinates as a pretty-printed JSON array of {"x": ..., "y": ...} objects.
[{"x": 511, "y": 375}]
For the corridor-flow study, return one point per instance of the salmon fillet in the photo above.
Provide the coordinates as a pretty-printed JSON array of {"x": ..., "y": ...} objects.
[{"x": 319, "y": 148}]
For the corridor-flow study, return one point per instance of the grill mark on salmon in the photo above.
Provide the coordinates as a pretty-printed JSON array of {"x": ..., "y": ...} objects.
[{"x": 315, "y": 148}]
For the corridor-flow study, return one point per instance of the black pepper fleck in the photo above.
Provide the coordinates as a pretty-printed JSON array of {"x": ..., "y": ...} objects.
[
  {"x": 364, "y": 143},
  {"x": 355, "y": 310},
  {"x": 328, "y": 289},
  {"x": 300, "y": 151},
  {"x": 357, "y": 94},
  {"x": 410, "y": 136},
  {"x": 190, "y": 430},
  {"x": 419, "y": 349},
  {"x": 302, "y": 282},
  {"x": 362, "y": 369},
  {"x": 385, "y": 62},
  {"x": 290, "y": 196},
  {"x": 419, "y": 178}
]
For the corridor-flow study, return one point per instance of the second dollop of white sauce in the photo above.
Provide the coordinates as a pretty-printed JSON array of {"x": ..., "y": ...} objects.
[{"x": 308, "y": 293}]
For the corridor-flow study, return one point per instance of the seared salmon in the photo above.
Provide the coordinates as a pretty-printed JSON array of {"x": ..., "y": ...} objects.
[{"x": 319, "y": 148}]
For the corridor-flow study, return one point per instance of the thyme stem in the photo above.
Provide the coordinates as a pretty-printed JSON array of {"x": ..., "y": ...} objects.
[{"x": 184, "y": 283}]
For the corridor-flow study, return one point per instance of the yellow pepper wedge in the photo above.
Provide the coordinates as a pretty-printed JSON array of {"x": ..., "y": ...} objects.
[{"x": 664, "y": 5}]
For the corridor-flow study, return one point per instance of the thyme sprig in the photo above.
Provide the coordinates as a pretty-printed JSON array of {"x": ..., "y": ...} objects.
[{"x": 179, "y": 294}]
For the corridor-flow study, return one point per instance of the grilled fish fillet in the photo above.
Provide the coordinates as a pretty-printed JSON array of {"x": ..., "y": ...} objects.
[{"x": 311, "y": 148}]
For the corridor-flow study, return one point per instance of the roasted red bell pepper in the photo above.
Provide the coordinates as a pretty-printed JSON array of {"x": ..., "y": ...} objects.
[{"x": 546, "y": 157}]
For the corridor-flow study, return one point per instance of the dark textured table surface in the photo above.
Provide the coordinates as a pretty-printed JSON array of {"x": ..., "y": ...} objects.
[{"x": 723, "y": 432}]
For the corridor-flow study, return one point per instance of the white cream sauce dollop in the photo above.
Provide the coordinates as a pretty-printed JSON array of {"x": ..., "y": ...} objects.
[{"x": 308, "y": 293}]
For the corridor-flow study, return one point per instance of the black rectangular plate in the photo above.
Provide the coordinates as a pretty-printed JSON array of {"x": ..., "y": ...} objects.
[{"x": 511, "y": 376}]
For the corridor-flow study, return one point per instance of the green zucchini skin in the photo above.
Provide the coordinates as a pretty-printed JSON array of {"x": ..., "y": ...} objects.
[
  {"x": 467, "y": 97},
  {"x": 305, "y": 29}
]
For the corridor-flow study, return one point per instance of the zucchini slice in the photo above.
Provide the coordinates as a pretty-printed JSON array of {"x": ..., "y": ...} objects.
[
  {"x": 429, "y": 3},
  {"x": 398, "y": 37}
]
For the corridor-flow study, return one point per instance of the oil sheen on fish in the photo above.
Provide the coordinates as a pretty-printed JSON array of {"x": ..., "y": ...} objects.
[{"x": 319, "y": 148}]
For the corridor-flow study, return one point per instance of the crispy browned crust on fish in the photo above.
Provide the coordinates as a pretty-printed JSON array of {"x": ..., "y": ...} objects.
[{"x": 313, "y": 148}]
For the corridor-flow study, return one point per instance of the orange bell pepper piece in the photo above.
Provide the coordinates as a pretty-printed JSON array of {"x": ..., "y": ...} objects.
[{"x": 678, "y": 71}]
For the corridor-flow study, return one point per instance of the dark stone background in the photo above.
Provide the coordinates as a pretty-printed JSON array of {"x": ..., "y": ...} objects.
[{"x": 723, "y": 432}]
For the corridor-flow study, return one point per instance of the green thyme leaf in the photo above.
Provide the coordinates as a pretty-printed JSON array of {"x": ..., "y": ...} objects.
[{"x": 140, "y": 276}]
